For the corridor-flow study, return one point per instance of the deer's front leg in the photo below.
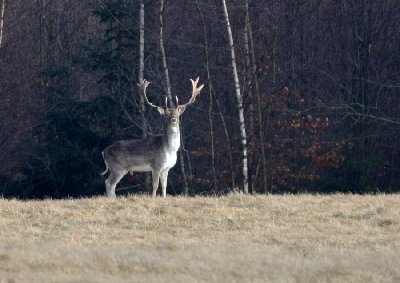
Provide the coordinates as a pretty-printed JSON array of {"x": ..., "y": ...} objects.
[
  {"x": 156, "y": 178},
  {"x": 164, "y": 178}
]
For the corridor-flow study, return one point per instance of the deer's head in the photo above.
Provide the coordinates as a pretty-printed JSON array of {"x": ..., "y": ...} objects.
[{"x": 171, "y": 115}]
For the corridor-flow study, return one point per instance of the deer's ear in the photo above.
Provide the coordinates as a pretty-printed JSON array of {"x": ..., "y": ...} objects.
[
  {"x": 161, "y": 110},
  {"x": 181, "y": 109}
]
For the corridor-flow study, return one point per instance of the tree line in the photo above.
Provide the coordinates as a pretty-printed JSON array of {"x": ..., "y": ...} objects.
[{"x": 299, "y": 96}]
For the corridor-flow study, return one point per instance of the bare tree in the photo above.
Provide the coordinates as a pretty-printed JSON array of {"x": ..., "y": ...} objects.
[
  {"x": 162, "y": 49},
  {"x": 169, "y": 95},
  {"x": 141, "y": 65},
  {"x": 252, "y": 61},
  {"x": 239, "y": 101},
  {"x": 141, "y": 75},
  {"x": 210, "y": 95},
  {"x": 3, "y": 7}
]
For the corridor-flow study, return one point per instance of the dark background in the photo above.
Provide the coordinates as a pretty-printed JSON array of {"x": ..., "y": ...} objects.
[{"x": 328, "y": 74}]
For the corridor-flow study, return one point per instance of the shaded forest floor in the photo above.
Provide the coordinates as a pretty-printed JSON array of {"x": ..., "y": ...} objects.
[{"x": 302, "y": 238}]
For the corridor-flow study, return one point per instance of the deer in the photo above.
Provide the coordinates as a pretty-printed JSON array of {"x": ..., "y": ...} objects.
[{"x": 156, "y": 154}]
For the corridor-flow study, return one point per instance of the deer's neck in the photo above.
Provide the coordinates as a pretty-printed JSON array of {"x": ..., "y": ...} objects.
[{"x": 172, "y": 139}]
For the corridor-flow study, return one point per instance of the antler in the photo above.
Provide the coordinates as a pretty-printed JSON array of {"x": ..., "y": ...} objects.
[
  {"x": 143, "y": 85},
  {"x": 195, "y": 92}
]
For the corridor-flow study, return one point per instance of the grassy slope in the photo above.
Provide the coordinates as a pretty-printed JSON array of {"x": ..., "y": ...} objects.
[{"x": 237, "y": 238}]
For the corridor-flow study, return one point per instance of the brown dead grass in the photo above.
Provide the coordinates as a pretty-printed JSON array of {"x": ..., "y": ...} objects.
[{"x": 303, "y": 238}]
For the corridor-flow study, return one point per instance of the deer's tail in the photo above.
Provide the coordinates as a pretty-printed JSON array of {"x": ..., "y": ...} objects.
[{"x": 105, "y": 162}]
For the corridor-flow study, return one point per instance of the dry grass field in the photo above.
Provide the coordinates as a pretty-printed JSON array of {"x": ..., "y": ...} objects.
[{"x": 292, "y": 238}]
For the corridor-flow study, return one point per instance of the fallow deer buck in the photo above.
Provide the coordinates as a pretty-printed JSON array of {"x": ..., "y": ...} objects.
[{"x": 155, "y": 154}]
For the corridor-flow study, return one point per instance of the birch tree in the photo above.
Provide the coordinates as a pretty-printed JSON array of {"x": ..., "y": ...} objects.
[
  {"x": 141, "y": 65},
  {"x": 141, "y": 76},
  {"x": 169, "y": 95},
  {"x": 239, "y": 101},
  {"x": 162, "y": 50},
  {"x": 3, "y": 7}
]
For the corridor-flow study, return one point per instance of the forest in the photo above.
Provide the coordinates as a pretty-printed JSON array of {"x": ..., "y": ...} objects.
[{"x": 299, "y": 96}]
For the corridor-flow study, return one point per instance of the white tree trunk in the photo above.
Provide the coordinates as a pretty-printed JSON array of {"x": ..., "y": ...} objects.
[
  {"x": 248, "y": 81},
  {"x": 164, "y": 58},
  {"x": 3, "y": 7},
  {"x": 141, "y": 77},
  {"x": 239, "y": 102},
  {"x": 141, "y": 65}
]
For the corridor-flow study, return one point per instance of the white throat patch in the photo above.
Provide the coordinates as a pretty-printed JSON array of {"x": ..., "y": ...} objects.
[{"x": 174, "y": 130}]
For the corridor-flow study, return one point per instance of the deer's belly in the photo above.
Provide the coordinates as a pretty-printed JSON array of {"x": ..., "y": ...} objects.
[{"x": 139, "y": 168}]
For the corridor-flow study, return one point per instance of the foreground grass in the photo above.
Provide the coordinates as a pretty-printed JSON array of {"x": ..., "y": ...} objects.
[{"x": 304, "y": 238}]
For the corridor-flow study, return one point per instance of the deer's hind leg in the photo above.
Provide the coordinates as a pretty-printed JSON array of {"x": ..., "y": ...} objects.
[{"x": 112, "y": 181}]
